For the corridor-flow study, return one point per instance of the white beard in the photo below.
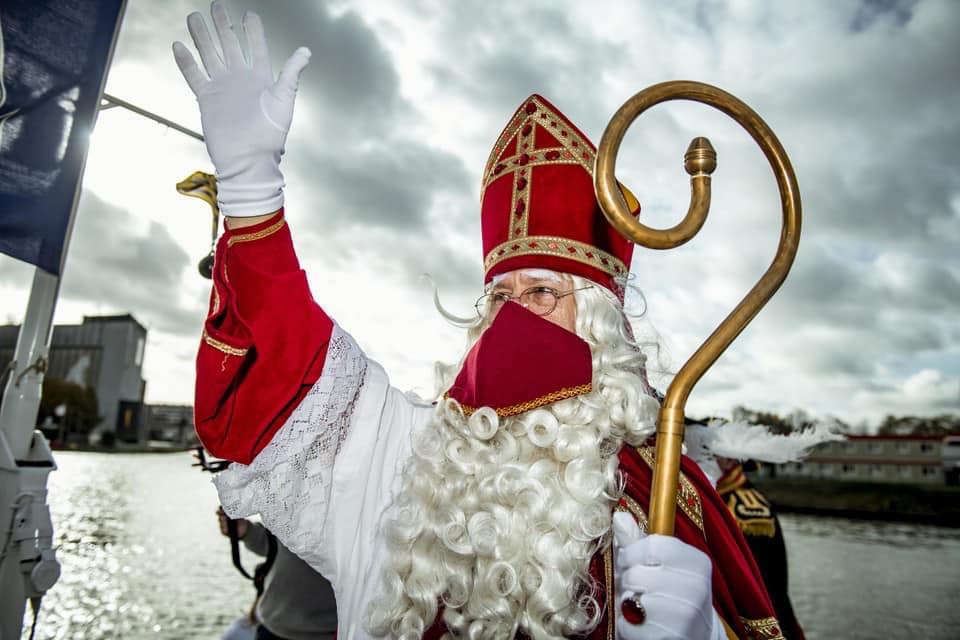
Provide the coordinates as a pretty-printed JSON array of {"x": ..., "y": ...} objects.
[{"x": 499, "y": 519}]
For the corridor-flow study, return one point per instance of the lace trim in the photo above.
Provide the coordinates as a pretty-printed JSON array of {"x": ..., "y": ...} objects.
[{"x": 289, "y": 481}]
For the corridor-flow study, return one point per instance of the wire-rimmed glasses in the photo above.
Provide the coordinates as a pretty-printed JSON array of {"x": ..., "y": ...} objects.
[{"x": 540, "y": 300}]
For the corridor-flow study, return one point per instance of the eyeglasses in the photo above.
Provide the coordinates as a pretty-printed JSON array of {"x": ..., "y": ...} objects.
[{"x": 539, "y": 300}]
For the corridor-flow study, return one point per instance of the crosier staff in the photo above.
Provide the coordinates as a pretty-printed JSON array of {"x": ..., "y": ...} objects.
[{"x": 699, "y": 161}]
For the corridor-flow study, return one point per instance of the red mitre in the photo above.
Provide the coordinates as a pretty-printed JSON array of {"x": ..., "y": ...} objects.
[
  {"x": 522, "y": 362},
  {"x": 538, "y": 208}
]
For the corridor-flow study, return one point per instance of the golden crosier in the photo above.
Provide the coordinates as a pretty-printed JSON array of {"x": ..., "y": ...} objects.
[{"x": 699, "y": 161}]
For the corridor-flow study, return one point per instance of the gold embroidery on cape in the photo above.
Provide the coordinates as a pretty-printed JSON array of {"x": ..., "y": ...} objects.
[
  {"x": 258, "y": 235},
  {"x": 763, "y": 629},
  {"x": 555, "y": 246},
  {"x": 216, "y": 301},
  {"x": 523, "y": 407},
  {"x": 223, "y": 346},
  {"x": 687, "y": 497},
  {"x": 610, "y": 591},
  {"x": 636, "y": 511}
]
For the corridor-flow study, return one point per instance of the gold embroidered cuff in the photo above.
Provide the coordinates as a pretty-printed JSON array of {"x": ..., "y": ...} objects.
[
  {"x": 257, "y": 235},
  {"x": 223, "y": 346}
]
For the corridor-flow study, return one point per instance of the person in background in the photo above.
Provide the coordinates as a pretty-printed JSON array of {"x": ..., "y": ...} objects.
[
  {"x": 760, "y": 526},
  {"x": 297, "y": 602}
]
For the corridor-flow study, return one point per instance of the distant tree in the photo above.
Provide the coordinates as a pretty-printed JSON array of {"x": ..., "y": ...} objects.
[
  {"x": 798, "y": 420},
  {"x": 81, "y": 408},
  {"x": 774, "y": 422},
  {"x": 920, "y": 425}
]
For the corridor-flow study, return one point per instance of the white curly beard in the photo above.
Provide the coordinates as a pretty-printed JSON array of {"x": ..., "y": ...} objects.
[{"x": 497, "y": 520}]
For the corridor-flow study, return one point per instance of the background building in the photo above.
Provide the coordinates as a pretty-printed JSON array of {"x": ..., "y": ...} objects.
[
  {"x": 882, "y": 458},
  {"x": 104, "y": 353}
]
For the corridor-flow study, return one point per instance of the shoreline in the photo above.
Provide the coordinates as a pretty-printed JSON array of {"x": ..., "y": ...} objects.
[{"x": 910, "y": 503}]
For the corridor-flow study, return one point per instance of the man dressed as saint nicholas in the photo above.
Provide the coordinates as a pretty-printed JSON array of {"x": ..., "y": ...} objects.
[{"x": 514, "y": 505}]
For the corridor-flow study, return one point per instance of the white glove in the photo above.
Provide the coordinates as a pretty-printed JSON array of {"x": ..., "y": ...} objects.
[
  {"x": 245, "y": 113},
  {"x": 672, "y": 581}
]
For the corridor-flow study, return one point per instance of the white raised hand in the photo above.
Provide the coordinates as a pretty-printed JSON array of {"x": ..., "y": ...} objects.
[
  {"x": 245, "y": 112},
  {"x": 672, "y": 581}
]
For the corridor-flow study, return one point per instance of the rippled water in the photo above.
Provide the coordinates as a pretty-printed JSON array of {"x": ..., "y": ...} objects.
[{"x": 143, "y": 558}]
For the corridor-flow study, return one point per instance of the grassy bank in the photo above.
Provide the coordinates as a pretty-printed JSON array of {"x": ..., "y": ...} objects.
[{"x": 933, "y": 504}]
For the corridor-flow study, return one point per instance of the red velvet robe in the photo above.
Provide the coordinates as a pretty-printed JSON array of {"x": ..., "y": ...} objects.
[{"x": 263, "y": 348}]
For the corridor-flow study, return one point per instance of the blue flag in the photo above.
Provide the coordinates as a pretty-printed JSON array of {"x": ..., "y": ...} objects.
[{"x": 54, "y": 56}]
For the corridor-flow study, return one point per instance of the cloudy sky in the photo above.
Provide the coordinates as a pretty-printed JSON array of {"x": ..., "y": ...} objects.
[{"x": 398, "y": 110}]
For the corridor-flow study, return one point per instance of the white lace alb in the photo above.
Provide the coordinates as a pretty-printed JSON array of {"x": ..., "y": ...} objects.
[{"x": 289, "y": 481}]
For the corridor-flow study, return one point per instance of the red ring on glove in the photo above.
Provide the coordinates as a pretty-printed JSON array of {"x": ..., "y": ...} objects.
[{"x": 632, "y": 610}]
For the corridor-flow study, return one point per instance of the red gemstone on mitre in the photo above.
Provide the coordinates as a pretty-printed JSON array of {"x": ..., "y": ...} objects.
[
  {"x": 552, "y": 155},
  {"x": 499, "y": 168},
  {"x": 524, "y": 159},
  {"x": 520, "y": 207},
  {"x": 521, "y": 184},
  {"x": 530, "y": 107},
  {"x": 527, "y": 129},
  {"x": 633, "y": 612}
]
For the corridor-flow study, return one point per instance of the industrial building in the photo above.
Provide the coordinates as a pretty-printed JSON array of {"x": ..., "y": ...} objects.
[{"x": 104, "y": 353}]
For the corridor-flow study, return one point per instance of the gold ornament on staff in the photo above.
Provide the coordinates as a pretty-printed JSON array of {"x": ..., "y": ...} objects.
[
  {"x": 204, "y": 186},
  {"x": 699, "y": 161}
]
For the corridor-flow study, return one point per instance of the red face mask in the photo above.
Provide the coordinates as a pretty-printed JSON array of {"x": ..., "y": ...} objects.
[{"x": 522, "y": 362}]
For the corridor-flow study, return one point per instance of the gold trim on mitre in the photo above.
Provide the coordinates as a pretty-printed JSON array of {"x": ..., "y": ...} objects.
[{"x": 558, "y": 247}]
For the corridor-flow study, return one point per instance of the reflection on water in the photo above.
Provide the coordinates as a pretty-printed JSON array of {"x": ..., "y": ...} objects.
[{"x": 143, "y": 558}]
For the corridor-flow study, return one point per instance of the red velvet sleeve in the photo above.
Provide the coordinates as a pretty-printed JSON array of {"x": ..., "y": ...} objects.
[{"x": 264, "y": 341}]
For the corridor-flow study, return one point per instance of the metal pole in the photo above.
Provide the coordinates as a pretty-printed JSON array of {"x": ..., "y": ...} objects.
[
  {"x": 25, "y": 461},
  {"x": 117, "y": 102}
]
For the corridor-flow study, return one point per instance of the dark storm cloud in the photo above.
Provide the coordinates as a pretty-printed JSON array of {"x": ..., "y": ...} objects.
[
  {"x": 870, "y": 11},
  {"x": 382, "y": 183},
  {"x": 350, "y": 80},
  {"x": 118, "y": 267}
]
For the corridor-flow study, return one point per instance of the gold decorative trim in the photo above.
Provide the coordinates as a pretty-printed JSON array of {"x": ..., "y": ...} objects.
[
  {"x": 611, "y": 592},
  {"x": 519, "y": 215},
  {"x": 687, "y": 497},
  {"x": 558, "y": 247},
  {"x": 523, "y": 407},
  {"x": 223, "y": 346},
  {"x": 763, "y": 629},
  {"x": 580, "y": 149},
  {"x": 752, "y": 512},
  {"x": 258, "y": 235},
  {"x": 216, "y": 301},
  {"x": 636, "y": 511},
  {"x": 536, "y": 159}
]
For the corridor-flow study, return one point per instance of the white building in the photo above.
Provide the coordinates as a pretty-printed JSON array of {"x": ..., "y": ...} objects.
[{"x": 883, "y": 458}]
